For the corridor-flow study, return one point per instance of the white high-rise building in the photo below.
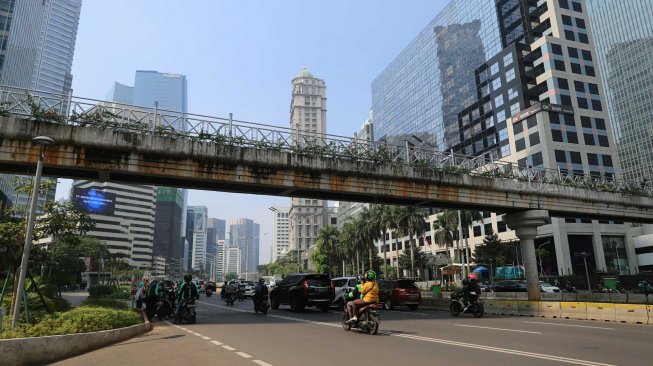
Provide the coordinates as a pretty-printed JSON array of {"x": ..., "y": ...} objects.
[
  {"x": 280, "y": 232},
  {"x": 307, "y": 119},
  {"x": 128, "y": 228},
  {"x": 233, "y": 260},
  {"x": 197, "y": 234}
]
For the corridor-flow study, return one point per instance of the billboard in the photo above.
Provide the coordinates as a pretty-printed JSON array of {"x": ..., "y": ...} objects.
[{"x": 94, "y": 201}]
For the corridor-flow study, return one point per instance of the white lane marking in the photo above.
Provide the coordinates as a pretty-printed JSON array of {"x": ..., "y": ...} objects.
[
  {"x": 196, "y": 334},
  {"x": 259, "y": 362},
  {"x": 569, "y": 325},
  {"x": 452, "y": 343},
  {"x": 243, "y": 355},
  {"x": 216, "y": 343},
  {"x": 504, "y": 329},
  {"x": 409, "y": 312},
  {"x": 279, "y": 316},
  {"x": 503, "y": 350},
  {"x": 228, "y": 348},
  {"x": 206, "y": 338}
]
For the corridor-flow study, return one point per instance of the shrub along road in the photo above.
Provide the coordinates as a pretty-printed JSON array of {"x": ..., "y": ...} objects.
[{"x": 234, "y": 335}]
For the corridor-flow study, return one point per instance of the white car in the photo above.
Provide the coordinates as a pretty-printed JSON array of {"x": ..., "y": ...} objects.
[
  {"x": 342, "y": 286},
  {"x": 247, "y": 287},
  {"x": 547, "y": 287}
]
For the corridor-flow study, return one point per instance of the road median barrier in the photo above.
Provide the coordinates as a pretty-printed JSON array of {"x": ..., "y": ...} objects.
[
  {"x": 502, "y": 307},
  {"x": 632, "y": 313},
  {"x": 548, "y": 309},
  {"x": 527, "y": 308},
  {"x": 573, "y": 310},
  {"x": 601, "y": 311}
]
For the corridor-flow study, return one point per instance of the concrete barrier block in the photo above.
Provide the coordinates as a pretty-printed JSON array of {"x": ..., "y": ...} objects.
[
  {"x": 492, "y": 307},
  {"x": 632, "y": 313},
  {"x": 507, "y": 307},
  {"x": 601, "y": 311},
  {"x": 528, "y": 308},
  {"x": 573, "y": 310},
  {"x": 547, "y": 296},
  {"x": 600, "y": 297},
  {"x": 549, "y": 309},
  {"x": 569, "y": 296},
  {"x": 637, "y": 299}
]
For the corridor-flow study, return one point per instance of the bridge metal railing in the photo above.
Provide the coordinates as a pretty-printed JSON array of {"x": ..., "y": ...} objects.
[{"x": 78, "y": 111}]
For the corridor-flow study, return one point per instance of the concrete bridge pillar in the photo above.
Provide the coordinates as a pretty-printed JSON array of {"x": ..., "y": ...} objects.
[{"x": 525, "y": 224}]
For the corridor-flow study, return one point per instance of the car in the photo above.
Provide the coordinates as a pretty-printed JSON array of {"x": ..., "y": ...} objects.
[
  {"x": 303, "y": 289},
  {"x": 399, "y": 292},
  {"x": 342, "y": 286},
  {"x": 247, "y": 287},
  {"x": 547, "y": 287},
  {"x": 509, "y": 286}
]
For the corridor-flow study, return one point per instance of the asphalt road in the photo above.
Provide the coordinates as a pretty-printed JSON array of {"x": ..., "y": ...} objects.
[{"x": 234, "y": 335}]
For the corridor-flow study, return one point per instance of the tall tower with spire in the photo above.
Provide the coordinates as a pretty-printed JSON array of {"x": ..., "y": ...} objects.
[{"x": 307, "y": 119}]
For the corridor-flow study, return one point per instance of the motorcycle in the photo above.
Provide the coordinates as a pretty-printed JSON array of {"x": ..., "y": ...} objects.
[
  {"x": 165, "y": 305},
  {"x": 188, "y": 312},
  {"x": 241, "y": 295},
  {"x": 209, "y": 292},
  {"x": 476, "y": 307},
  {"x": 229, "y": 295},
  {"x": 261, "y": 305},
  {"x": 368, "y": 319},
  {"x": 643, "y": 287}
]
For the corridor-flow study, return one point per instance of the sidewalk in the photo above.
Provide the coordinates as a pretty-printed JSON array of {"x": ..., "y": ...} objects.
[{"x": 75, "y": 297}]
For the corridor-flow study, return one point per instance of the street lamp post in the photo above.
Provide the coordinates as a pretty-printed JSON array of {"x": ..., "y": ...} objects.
[{"x": 42, "y": 141}]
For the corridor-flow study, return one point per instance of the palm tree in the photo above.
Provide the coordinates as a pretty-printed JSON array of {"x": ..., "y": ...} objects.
[
  {"x": 381, "y": 218},
  {"x": 393, "y": 224},
  {"x": 412, "y": 220},
  {"x": 445, "y": 225},
  {"x": 366, "y": 230},
  {"x": 351, "y": 243},
  {"x": 328, "y": 240}
]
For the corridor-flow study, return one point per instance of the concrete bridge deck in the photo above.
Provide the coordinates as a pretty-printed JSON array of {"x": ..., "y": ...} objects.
[{"x": 108, "y": 154}]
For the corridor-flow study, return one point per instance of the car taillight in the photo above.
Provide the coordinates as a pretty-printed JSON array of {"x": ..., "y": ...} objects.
[{"x": 306, "y": 287}]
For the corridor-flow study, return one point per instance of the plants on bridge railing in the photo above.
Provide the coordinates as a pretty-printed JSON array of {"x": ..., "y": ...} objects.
[
  {"x": 43, "y": 115},
  {"x": 4, "y": 112},
  {"x": 97, "y": 117},
  {"x": 167, "y": 131}
]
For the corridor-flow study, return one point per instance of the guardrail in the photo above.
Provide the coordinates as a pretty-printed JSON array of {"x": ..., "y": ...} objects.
[{"x": 78, "y": 111}]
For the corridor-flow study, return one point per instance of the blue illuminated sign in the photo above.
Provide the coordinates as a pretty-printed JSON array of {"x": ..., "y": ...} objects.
[{"x": 94, "y": 201}]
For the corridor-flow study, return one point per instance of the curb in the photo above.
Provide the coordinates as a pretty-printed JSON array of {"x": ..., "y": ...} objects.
[{"x": 41, "y": 350}]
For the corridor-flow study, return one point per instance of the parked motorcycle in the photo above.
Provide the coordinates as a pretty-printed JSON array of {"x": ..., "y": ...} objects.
[
  {"x": 476, "y": 307},
  {"x": 643, "y": 287},
  {"x": 261, "y": 305},
  {"x": 165, "y": 305},
  {"x": 368, "y": 319}
]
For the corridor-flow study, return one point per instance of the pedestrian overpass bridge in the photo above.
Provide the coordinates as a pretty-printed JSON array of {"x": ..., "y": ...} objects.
[{"x": 104, "y": 141}]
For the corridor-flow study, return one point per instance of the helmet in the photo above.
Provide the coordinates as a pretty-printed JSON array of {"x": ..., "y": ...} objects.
[
  {"x": 188, "y": 277},
  {"x": 473, "y": 277},
  {"x": 370, "y": 275},
  {"x": 261, "y": 281},
  {"x": 360, "y": 278}
]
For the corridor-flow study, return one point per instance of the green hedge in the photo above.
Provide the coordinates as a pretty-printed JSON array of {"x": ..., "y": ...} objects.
[
  {"x": 105, "y": 302},
  {"x": 115, "y": 292},
  {"x": 79, "y": 320}
]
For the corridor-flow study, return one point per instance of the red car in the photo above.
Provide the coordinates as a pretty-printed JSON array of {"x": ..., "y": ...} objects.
[{"x": 400, "y": 292}]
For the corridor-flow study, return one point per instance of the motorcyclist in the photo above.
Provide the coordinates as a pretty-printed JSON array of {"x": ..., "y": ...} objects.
[
  {"x": 185, "y": 292},
  {"x": 260, "y": 290},
  {"x": 471, "y": 291},
  {"x": 151, "y": 296},
  {"x": 369, "y": 292}
]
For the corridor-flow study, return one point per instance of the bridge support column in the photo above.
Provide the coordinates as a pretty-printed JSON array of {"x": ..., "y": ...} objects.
[{"x": 525, "y": 224}]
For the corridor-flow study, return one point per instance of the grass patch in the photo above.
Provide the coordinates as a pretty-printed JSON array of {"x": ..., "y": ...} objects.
[
  {"x": 79, "y": 320},
  {"x": 105, "y": 302}
]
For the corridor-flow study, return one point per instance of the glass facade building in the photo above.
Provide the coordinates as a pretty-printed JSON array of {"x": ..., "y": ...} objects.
[
  {"x": 432, "y": 79},
  {"x": 623, "y": 36},
  {"x": 168, "y": 90},
  {"x": 244, "y": 234}
]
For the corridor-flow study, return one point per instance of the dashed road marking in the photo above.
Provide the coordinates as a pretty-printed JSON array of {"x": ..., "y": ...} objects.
[
  {"x": 261, "y": 363},
  {"x": 243, "y": 355},
  {"x": 569, "y": 325},
  {"x": 492, "y": 328},
  {"x": 196, "y": 334},
  {"x": 206, "y": 338},
  {"x": 229, "y": 348},
  {"x": 217, "y": 343}
]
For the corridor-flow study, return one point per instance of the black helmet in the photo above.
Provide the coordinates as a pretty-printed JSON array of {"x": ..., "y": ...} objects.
[
  {"x": 261, "y": 281},
  {"x": 188, "y": 277}
]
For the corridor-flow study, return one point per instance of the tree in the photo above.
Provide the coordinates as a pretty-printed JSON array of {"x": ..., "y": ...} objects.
[
  {"x": 419, "y": 259},
  {"x": 491, "y": 251},
  {"x": 393, "y": 218},
  {"x": 445, "y": 228},
  {"x": 381, "y": 215},
  {"x": 328, "y": 244},
  {"x": 411, "y": 219},
  {"x": 231, "y": 276},
  {"x": 367, "y": 230}
]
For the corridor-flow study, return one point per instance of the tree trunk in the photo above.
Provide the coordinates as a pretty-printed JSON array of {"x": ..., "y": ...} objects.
[
  {"x": 369, "y": 254},
  {"x": 397, "y": 253},
  {"x": 385, "y": 259},
  {"x": 412, "y": 256}
]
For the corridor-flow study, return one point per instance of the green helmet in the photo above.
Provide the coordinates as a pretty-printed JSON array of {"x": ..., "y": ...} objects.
[{"x": 370, "y": 275}]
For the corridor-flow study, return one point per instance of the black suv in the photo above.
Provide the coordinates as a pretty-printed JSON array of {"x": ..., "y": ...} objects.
[{"x": 301, "y": 290}]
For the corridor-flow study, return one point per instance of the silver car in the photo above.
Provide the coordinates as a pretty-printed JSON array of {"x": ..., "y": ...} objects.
[{"x": 342, "y": 285}]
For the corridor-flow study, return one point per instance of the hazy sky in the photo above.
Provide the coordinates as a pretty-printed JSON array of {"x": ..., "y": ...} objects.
[{"x": 240, "y": 57}]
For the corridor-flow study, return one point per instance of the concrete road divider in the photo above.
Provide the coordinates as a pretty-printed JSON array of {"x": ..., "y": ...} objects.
[
  {"x": 549, "y": 309},
  {"x": 527, "y": 308},
  {"x": 573, "y": 310},
  {"x": 632, "y": 313},
  {"x": 504, "y": 307},
  {"x": 601, "y": 311}
]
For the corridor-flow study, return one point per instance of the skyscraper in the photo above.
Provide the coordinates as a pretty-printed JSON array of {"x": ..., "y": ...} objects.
[
  {"x": 215, "y": 234},
  {"x": 196, "y": 234},
  {"x": 307, "y": 118},
  {"x": 623, "y": 35},
  {"x": 244, "y": 234},
  {"x": 280, "y": 232},
  {"x": 38, "y": 42},
  {"x": 513, "y": 80},
  {"x": 168, "y": 242}
]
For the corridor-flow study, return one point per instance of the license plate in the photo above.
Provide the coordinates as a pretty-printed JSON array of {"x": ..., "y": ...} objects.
[{"x": 320, "y": 289}]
